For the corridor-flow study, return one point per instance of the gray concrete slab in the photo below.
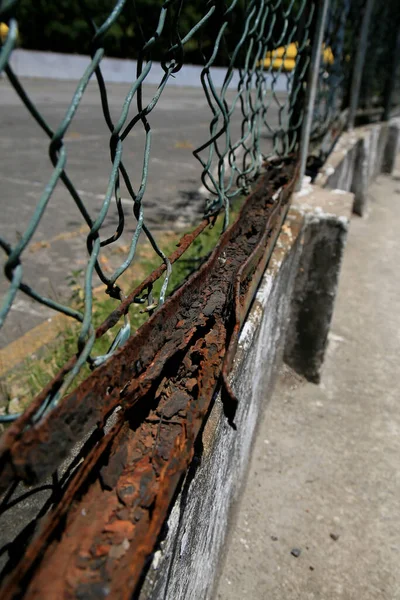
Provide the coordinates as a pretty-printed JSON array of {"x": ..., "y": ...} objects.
[
  {"x": 324, "y": 476},
  {"x": 53, "y": 65},
  {"x": 180, "y": 123}
]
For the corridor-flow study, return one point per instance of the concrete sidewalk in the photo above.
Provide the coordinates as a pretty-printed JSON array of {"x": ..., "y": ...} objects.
[{"x": 324, "y": 480}]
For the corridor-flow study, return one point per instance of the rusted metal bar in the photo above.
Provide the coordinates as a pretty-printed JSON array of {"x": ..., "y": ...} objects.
[
  {"x": 246, "y": 284},
  {"x": 111, "y": 531},
  {"x": 95, "y": 542},
  {"x": 16, "y": 429},
  {"x": 24, "y": 421},
  {"x": 32, "y": 454}
]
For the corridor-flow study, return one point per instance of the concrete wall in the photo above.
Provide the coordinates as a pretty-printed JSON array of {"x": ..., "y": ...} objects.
[
  {"x": 186, "y": 562},
  {"x": 324, "y": 240},
  {"x": 290, "y": 318},
  {"x": 359, "y": 156},
  {"x": 185, "y": 565},
  {"x": 53, "y": 65}
]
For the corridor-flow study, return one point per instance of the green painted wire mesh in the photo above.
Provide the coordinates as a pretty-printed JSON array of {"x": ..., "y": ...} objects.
[
  {"x": 341, "y": 43},
  {"x": 331, "y": 75},
  {"x": 337, "y": 57},
  {"x": 235, "y": 35}
]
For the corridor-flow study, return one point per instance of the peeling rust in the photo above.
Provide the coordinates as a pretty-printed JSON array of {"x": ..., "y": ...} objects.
[
  {"x": 95, "y": 541},
  {"x": 16, "y": 429}
]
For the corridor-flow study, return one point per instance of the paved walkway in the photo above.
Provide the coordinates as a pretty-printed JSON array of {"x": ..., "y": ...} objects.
[{"x": 324, "y": 480}]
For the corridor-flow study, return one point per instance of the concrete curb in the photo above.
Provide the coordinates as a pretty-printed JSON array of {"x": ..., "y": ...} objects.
[
  {"x": 186, "y": 563},
  {"x": 359, "y": 156},
  {"x": 326, "y": 220},
  {"x": 289, "y": 319}
]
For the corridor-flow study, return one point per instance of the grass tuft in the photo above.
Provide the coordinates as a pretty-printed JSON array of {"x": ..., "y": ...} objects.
[{"x": 19, "y": 386}]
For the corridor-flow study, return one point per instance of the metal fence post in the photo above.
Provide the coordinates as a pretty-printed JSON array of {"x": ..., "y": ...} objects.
[
  {"x": 359, "y": 64},
  {"x": 322, "y": 8}
]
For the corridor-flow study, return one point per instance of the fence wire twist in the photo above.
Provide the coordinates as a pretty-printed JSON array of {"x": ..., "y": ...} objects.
[{"x": 229, "y": 163}]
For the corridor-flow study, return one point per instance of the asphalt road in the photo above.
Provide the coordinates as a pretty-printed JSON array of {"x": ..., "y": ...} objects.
[{"x": 180, "y": 123}]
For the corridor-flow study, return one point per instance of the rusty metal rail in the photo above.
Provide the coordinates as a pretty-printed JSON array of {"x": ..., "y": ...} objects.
[{"x": 95, "y": 540}]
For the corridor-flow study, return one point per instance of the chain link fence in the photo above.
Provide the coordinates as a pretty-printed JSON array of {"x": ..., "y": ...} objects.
[
  {"x": 266, "y": 50},
  {"x": 344, "y": 53},
  {"x": 336, "y": 55},
  {"x": 295, "y": 74},
  {"x": 230, "y": 158}
]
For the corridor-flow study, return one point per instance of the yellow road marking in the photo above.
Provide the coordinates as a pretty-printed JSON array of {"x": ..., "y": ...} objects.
[
  {"x": 30, "y": 342},
  {"x": 64, "y": 235},
  {"x": 36, "y": 338}
]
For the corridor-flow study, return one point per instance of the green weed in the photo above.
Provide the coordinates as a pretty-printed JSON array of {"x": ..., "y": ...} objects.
[{"x": 21, "y": 385}]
